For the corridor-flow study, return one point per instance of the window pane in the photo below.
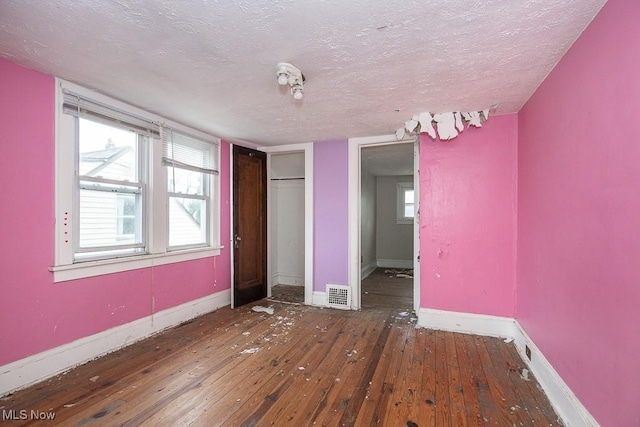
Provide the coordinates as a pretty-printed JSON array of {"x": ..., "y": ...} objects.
[
  {"x": 408, "y": 210},
  {"x": 126, "y": 215},
  {"x": 103, "y": 221},
  {"x": 126, "y": 227},
  {"x": 107, "y": 152},
  {"x": 185, "y": 181},
  {"x": 186, "y": 221},
  {"x": 408, "y": 196}
]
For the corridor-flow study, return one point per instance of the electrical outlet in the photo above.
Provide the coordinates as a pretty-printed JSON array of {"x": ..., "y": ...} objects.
[{"x": 527, "y": 351}]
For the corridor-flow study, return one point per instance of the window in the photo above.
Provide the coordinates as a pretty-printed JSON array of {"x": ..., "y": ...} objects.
[
  {"x": 187, "y": 208},
  {"x": 190, "y": 163},
  {"x": 406, "y": 203},
  {"x": 132, "y": 189},
  {"x": 111, "y": 195}
]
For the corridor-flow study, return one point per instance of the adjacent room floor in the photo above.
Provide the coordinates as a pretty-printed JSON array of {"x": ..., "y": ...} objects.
[
  {"x": 388, "y": 288},
  {"x": 288, "y": 293},
  {"x": 383, "y": 288},
  {"x": 298, "y": 366}
]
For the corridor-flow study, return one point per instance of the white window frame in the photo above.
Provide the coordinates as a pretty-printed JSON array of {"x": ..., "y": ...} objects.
[
  {"x": 401, "y": 189},
  {"x": 156, "y": 217}
]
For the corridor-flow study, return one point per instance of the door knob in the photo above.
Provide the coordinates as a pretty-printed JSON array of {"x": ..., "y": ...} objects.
[{"x": 236, "y": 243}]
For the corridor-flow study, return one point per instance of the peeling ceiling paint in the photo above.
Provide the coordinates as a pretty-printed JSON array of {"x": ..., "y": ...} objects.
[{"x": 369, "y": 64}]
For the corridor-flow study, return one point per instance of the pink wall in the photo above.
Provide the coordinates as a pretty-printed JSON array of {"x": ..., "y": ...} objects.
[
  {"x": 331, "y": 213},
  {"x": 35, "y": 313},
  {"x": 579, "y": 216},
  {"x": 468, "y": 220}
]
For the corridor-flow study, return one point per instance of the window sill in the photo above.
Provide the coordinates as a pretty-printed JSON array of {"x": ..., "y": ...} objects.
[{"x": 81, "y": 270}]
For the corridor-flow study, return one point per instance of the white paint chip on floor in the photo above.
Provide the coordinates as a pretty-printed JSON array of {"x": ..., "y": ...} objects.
[{"x": 261, "y": 309}]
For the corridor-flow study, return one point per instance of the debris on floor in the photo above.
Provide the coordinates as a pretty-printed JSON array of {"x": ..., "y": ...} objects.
[
  {"x": 524, "y": 374},
  {"x": 508, "y": 340},
  {"x": 400, "y": 273},
  {"x": 94, "y": 379},
  {"x": 250, "y": 350},
  {"x": 261, "y": 309}
]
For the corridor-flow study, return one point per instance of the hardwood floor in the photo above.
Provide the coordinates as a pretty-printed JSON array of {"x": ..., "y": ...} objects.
[
  {"x": 287, "y": 293},
  {"x": 385, "y": 290},
  {"x": 300, "y": 366}
]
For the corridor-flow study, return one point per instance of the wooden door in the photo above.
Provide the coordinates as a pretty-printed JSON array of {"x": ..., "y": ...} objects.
[{"x": 249, "y": 225}]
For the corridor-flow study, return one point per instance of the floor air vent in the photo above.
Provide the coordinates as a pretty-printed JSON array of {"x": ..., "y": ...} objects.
[{"x": 339, "y": 296}]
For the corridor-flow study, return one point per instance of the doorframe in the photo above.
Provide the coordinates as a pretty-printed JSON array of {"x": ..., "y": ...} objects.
[
  {"x": 307, "y": 149},
  {"x": 355, "y": 163}
]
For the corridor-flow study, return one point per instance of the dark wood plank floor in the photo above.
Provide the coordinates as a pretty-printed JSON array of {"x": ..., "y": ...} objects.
[
  {"x": 385, "y": 290},
  {"x": 301, "y": 366}
]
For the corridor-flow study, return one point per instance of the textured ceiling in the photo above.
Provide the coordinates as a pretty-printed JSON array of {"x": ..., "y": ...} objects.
[
  {"x": 370, "y": 65},
  {"x": 388, "y": 160}
]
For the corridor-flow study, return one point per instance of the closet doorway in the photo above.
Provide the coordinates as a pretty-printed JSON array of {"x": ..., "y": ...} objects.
[{"x": 287, "y": 227}]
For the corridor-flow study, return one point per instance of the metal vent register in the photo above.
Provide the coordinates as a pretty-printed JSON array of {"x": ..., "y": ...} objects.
[{"x": 339, "y": 296}]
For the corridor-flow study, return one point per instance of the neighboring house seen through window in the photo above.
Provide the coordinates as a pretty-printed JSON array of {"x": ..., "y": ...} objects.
[{"x": 126, "y": 217}]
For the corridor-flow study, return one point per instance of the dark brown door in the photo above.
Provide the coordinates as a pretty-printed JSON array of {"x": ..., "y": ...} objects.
[{"x": 249, "y": 225}]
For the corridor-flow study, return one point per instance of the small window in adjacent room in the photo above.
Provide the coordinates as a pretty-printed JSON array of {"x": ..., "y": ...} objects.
[{"x": 406, "y": 203}]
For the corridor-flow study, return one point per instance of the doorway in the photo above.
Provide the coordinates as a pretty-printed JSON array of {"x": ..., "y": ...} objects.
[
  {"x": 384, "y": 223},
  {"x": 286, "y": 227},
  {"x": 305, "y": 150}
]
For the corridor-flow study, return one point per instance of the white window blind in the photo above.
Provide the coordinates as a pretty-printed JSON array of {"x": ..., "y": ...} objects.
[
  {"x": 79, "y": 106},
  {"x": 184, "y": 151}
]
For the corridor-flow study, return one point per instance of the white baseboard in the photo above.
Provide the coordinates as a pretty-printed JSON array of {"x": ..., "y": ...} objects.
[
  {"x": 467, "y": 323},
  {"x": 367, "y": 270},
  {"x": 395, "y": 263},
  {"x": 30, "y": 370},
  {"x": 564, "y": 402},
  {"x": 288, "y": 279},
  {"x": 319, "y": 299}
]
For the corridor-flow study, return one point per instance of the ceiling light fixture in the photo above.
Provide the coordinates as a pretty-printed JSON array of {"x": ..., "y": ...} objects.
[{"x": 288, "y": 74}]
